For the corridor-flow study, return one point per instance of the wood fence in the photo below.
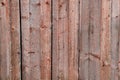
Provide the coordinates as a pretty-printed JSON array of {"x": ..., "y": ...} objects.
[{"x": 59, "y": 39}]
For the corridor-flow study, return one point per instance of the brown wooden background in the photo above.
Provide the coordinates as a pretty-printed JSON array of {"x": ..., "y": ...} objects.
[{"x": 59, "y": 39}]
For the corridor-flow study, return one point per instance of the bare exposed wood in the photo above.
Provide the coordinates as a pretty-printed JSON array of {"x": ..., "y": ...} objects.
[
  {"x": 45, "y": 39},
  {"x": 15, "y": 40},
  {"x": 105, "y": 40},
  {"x": 94, "y": 31},
  {"x": 25, "y": 39},
  {"x": 115, "y": 39},
  {"x": 60, "y": 40},
  {"x": 5, "y": 41},
  {"x": 84, "y": 40},
  {"x": 73, "y": 39},
  {"x": 36, "y": 37},
  {"x": 34, "y": 42}
]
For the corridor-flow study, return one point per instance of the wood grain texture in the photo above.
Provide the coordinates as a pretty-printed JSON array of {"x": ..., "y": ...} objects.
[
  {"x": 60, "y": 40},
  {"x": 94, "y": 39},
  {"x": 84, "y": 40},
  {"x": 25, "y": 39},
  {"x": 36, "y": 39},
  {"x": 34, "y": 42},
  {"x": 15, "y": 40},
  {"x": 9, "y": 40},
  {"x": 73, "y": 39},
  {"x": 5, "y": 47},
  {"x": 115, "y": 24},
  {"x": 45, "y": 39},
  {"x": 105, "y": 40}
]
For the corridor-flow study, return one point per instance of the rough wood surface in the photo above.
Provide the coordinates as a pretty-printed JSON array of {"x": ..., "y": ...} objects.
[
  {"x": 73, "y": 25},
  {"x": 105, "y": 40},
  {"x": 94, "y": 39},
  {"x": 9, "y": 40},
  {"x": 45, "y": 39},
  {"x": 15, "y": 40},
  {"x": 59, "y": 39},
  {"x": 25, "y": 39},
  {"x": 115, "y": 26},
  {"x": 5, "y": 48},
  {"x": 36, "y": 39},
  {"x": 84, "y": 40}
]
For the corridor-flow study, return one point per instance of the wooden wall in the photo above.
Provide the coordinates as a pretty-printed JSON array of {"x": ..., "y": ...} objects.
[{"x": 59, "y": 39}]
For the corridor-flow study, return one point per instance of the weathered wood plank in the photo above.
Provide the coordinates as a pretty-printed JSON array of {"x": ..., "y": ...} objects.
[
  {"x": 73, "y": 39},
  {"x": 10, "y": 40},
  {"x": 5, "y": 41},
  {"x": 60, "y": 40},
  {"x": 84, "y": 40},
  {"x": 45, "y": 39},
  {"x": 34, "y": 42},
  {"x": 105, "y": 40},
  {"x": 119, "y": 53},
  {"x": 115, "y": 24},
  {"x": 25, "y": 39},
  {"x": 36, "y": 37},
  {"x": 15, "y": 40},
  {"x": 94, "y": 31}
]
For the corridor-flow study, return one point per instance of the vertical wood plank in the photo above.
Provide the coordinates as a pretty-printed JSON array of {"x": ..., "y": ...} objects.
[
  {"x": 25, "y": 39},
  {"x": 119, "y": 52},
  {"x": 9, "y": 40},
  {"x": 34, "y": 42},
  {"x": 60, "y": 40},
  {"x": 118, "y": 42},
  {"x": 105, "y": 40},
  {"x": 5, "y": 41},
  {"x": 84, "y": 40},
  {"x": 45, "y": 39},
  {"x": 36, "y": 37},
  {"x": 94, "y": 53},
  {"x": 15, "y": 40},
  {"x": 73, "y": 39},
  {"x": 115, "y": 39}
]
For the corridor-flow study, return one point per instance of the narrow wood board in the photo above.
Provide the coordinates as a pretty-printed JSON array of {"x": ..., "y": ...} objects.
[
  {"x": 94, "y": 33},
  {"x": 60, "y": 40},
  {"x": 73, "y": 27},
  {"x": 25, "y": 26},
  {"x": 15, "y": 40},
  {"x": 105, "y": 60},
  {"x": 84, "y": 40},
  {"x": 115, "y": 24},
  {"x": 36, "y": 39},
  {"x": 45, "y": 39},
  {"x": 9, "y": 40},
  {"x": 5, "y": 41}
]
